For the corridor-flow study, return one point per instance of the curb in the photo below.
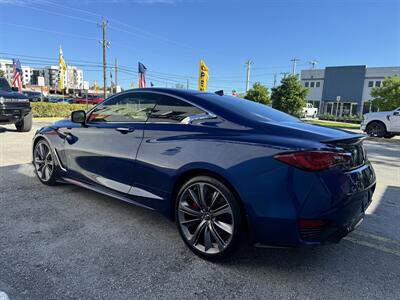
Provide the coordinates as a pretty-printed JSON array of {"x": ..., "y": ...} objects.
[{"x": 48, "y": 119}]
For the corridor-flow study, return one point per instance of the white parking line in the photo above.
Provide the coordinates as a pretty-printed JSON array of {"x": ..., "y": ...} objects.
[{"x": 3, "y": 296}]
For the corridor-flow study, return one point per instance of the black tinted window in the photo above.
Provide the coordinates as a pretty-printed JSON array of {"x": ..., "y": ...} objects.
[
  {"x": 129, "y": 107},
  {"x": 172, "y": 110},
  {"x": 246, "y": 109},
  {"x": 307, "y": 84}
]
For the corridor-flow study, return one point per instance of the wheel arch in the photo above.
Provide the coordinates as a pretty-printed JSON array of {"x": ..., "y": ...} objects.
[
  {"x": 188, "y": 174},
  {"x": 376, "y": 121}
]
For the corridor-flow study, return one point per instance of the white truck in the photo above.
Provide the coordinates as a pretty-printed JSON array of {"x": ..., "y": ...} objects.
[
  {"x": 382, "y": 124},
  {"x": 310, "y": 111}
]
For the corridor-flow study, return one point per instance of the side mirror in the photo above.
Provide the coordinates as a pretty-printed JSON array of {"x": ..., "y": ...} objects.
[
  {"x": 78, "y": 116},
  {"x": 15, "y": 89},
  {"x": 396, "y": 113}
]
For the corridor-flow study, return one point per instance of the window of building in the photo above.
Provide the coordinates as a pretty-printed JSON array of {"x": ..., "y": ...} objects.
[
  {"x": 377, "y": 83},
  {"x": 312, "y": 84},
  {"x": 129, "y": 107},
  {"x": 306, "y": 84},
  {"x": 172, "y": 110},
  {"x": 370, "y": 83},
  {"x": 318, "y": 84}
]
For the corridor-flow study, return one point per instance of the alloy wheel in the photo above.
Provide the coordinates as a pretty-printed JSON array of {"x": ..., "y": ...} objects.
[
  {"x": 205, "y": 218},
  {"x": 43, "y": 161}
]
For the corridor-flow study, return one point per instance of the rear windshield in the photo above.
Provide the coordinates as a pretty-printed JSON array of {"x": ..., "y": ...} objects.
[
  {"x": 248, "y": 109},
  {"x": 4, "y": 86}
]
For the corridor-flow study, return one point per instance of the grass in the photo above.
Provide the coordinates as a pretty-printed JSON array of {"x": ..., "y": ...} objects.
[{"x": 334, "y": 124}]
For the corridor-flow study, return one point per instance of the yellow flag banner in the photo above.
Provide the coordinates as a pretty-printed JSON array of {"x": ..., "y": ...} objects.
[
  {"x": 203, "y": 76},
  {"x": 62, "y": 67}
]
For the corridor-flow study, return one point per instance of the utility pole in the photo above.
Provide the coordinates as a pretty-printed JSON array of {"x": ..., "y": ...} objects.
[
  {"x": 116, "y": 74},
  {"x": 248, "y": 64},
  {"x": 105, "y": 44},
  {"x": 284, "y": 74},
  {"x": 313, "y": 63},
  {"x": 294, "y": 60},
  {"x": 274, "y": 79}
]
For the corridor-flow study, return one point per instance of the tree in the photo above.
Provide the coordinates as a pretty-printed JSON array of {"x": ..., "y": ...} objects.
[
  {"x": 290, "y": 96},
  {"x": 387, "y": 96},
  {"x": 258, "y": 93},
  {"x": 2, "y": 73}
]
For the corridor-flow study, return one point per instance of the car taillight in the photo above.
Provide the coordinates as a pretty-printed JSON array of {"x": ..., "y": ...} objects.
[{"x": 314, "y": 160}]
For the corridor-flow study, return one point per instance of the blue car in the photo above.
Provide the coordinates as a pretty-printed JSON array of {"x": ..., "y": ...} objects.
[{"x": 223, "y": 168}]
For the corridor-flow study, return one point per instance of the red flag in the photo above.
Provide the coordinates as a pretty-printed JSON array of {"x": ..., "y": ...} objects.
[
  {"x": 17, "y": 75},
  {"x": 142, "y": 78}
]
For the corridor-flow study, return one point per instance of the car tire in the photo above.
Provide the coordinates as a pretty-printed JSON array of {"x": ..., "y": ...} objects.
[
  {"x": 24, "y": 125},
  {"x": 376, "y": 129},
  {"x": 45, "y": 163},
  {"x": 389, "y": 136},
  {"x": 210, "y": 225}
]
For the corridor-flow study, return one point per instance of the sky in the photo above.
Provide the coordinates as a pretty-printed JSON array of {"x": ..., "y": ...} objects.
[{"x": 170, "y": 36}]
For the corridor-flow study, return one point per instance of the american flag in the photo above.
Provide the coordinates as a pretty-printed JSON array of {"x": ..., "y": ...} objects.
[
  {"x": 17, "y": 76},
  {"x": 142, "y": 78}
]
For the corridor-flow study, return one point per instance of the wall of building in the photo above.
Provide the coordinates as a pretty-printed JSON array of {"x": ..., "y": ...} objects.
[
  {"x": 374, "y": 77},
  {"x": 311, "y": 79}
]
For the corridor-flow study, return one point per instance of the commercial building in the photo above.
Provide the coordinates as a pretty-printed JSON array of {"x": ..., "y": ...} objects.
[
  {"x": 73, "y": 78},
  {"x": 344, "y": 90}
]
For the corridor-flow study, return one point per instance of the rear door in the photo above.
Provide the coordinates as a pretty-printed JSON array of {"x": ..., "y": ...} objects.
[{"x": 104, "y": 151}]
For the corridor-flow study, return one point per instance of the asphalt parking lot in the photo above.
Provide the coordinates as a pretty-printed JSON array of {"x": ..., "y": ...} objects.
[{"x": 67, "y": 242}]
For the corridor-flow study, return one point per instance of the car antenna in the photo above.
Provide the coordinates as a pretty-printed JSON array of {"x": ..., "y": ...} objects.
[{"x": 220, "y": 92}]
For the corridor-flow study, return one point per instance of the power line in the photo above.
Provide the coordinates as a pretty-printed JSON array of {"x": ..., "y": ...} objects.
[
  {"x": 49, "y": 31},
  {"x": 142, "y": 33}
]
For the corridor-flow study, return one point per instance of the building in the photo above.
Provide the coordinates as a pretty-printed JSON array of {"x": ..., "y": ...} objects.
[
  {"x": 344, "y": 90},
  {"x": 6, "y": 65},
  {"x": 73, "y": 78}
]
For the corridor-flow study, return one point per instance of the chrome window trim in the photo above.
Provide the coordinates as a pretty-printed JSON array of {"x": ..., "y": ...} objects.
[{"x": 206, "y": 111}]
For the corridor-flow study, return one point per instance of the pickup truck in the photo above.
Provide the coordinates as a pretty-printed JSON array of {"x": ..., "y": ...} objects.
[
  {"x": 310, "y": 111},
  {"x": 382, "y": 124},
  {"x": 14, "y": 108}
]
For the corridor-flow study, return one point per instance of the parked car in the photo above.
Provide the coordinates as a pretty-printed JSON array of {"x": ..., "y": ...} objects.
[
  {"x": 35, "y": 96},
  {"x": 55, "y": 99},
  {"x": 218, "y": 166},
  {"x": 91, "y": 99},
  {"x": 382, "y": 124},
  {"x": 310, "y": 111},
  {"x": 14, "y": 108}
]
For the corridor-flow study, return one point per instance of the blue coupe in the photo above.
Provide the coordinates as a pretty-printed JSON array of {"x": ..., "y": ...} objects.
[{"x": 221, "y": 167}]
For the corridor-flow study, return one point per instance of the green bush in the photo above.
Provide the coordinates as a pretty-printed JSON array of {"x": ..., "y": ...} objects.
[
  {"x": 57, "y": 110},
  {"x": 346, "y": 119}
]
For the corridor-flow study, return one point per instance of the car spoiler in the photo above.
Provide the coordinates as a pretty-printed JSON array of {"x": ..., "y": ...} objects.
[{"x": 356, "y": 138}]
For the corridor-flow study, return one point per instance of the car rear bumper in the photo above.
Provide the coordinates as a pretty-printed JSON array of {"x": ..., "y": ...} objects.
[{"x": 335, "y": 205}]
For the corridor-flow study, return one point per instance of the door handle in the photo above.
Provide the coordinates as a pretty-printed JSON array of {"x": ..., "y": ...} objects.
[{"x": 125, "y": 130}]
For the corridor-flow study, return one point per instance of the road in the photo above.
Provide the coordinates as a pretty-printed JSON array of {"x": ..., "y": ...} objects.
[{"x": 67, "y": 242}]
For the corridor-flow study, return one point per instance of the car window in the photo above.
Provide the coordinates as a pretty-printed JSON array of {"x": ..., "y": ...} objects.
[
  {"x": 128, "y": 107},
  {"x": 246, "y": 109},
  {"x": 172, "y": 110}
]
